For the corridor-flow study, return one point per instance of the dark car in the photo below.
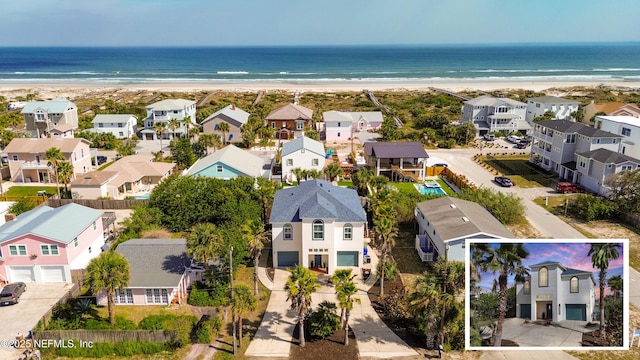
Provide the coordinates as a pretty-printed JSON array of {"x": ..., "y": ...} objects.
[
  {"x": 441, "y": 165},
  {"x": 522, "y": 145},
  {"x": 101, "y": 159},
  {"x": 504, "y": 181},
  {"x": 11, "y": 293}
]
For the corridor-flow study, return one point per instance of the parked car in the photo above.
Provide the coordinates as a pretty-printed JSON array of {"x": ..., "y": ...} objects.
[
  {"x": 522, "y": 145},
  {"x": 567, "y": 187},
  {"x": 489, "y": 137},
  {"x": 504, "y": 181},
  {"x": 514, "y": 139},
  {"x": 441, "y": 165},
  {"x": 11, "y": 293}
]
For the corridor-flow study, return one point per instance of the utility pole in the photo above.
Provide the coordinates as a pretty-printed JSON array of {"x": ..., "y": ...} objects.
[{"x": 233, "y": 318}]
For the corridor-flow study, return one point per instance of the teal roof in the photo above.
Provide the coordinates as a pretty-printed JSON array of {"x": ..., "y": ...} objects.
[
  {"x": 52, "y": 106},
  {"x": 61, "y": 224}
]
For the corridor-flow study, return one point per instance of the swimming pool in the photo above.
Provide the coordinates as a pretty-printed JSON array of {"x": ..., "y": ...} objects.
[
  {"x": 430, "y": 188},
  {"x": 142, "y": 197}
]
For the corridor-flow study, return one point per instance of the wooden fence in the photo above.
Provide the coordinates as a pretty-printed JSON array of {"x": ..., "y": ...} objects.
[
  {"x": 434, "y": 170},
  {"x": 36, "y": 199},
  {"x": 99, "y": 204},
  {"x": 110, "y": 336},
  {"x": 461, "y": 181}
]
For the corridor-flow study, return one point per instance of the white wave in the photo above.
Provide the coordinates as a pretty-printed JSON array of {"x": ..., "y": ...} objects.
[{"x": 232, "y": 72}]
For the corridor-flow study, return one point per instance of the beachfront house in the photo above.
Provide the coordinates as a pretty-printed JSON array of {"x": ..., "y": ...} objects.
[
  {"x": 46, "y": 244},
  {"x": 122, "y": 126},
  {"x": 42, "y": 116},
  {"x": 445, "y": 223},
  {"x": 289, "y": 121},
  {"x": 344, "y": 125},
  {"x": 562, "y": 108},
  {"x": 626, "y": 126},
  {"x": 399, "y": 161},
  {"x": 301, "y": 153},
  {"x": 556, "y": 293},
  {"x": 233, "y": 116},
  {"x": 176, "y": 116},
  {"x": 28, "y": 159},
  {"x": 489, "y": 114},
  {"x": 231, "y": 162},
  {"x": 318, "y": 225}
]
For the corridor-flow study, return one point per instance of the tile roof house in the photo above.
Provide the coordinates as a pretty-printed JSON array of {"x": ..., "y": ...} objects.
[
  {"x": 96, "y": 184},
  {"x": 304, "y": 153},
  {"x": 230, "y": 162},
  {"x": 160, "y": 272},
  {"x": 610, "y": 108},
  {"x": 138, "y": 173},
  {"x": 489, "y": 114},
  {"x": 28, "y": 162},
  {"x": 62, "y": 131},
  {"x": 563, "y": 108},
  {"x": 344, "y": 125},
  {"x": 42, "y": 116},
  {"x": 397, "y": 160},
  {"x": 46, "y": 244},
  {"x": 163, "y": 111},
  {"x": 553, "y": 291},
  {"x": 445, "y": 223},
  {"x": 318, "y": 225},
  {"x": 232, "y": 115},
  {"x": 289, "y": 121},
  {"x": 122, "y": 126}
]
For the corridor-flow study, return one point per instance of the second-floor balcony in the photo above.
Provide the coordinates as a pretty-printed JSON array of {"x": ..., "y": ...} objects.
[
  {"x": 34, "y": 165},
  {"x": 425, "y": 248}
]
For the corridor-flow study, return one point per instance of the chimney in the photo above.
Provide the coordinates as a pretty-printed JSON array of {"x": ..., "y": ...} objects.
[
  {"x": 233, "y": 107},
  {"x": 9, "y": 217}
]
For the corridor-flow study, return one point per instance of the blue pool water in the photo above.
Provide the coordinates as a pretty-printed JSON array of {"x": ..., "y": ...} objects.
[
  {"x": 142, "y": 197},
  {"x": 432, "y": 188}
]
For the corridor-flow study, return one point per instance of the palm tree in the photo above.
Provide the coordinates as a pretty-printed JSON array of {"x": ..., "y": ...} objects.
[
  {"x": 255, "y": 236},
  {"x": 616, "y": 285},
  {"x": 187, "y": 123},
  {"x": 332, "y": 171},
  {"x": 299, "y": 287},
  {"x": 209, "y": 140},
  {"x": 299, "y": 173},
  {"x": 173, "y": 125},
  {"x": 203, "y": 242},
  {"x": 340, "y": 277},
  {"x": 243, "y": 304},
  {"x": 345, "y": 292},
  {"x": 159, "y": 129},
  {"x": 386, "y": 231},
  {"x": 55, "y": 156},
  {"x": 108, "y": 272},
  {"x": 194, "y": 131},
  {"x": 600, "y": 254},
  {"x": 506, "y": 260},
  {"x": 361, "y": 179},
  {"x": 65, "y": 174},
  {"x": 423, "y": 301},
  {"x": 224, "y": 129}
]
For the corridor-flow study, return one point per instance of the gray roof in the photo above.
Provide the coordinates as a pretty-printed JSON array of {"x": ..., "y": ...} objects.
[
  {"x": 112, "y": 118},
  {"x": 570, "y": 271},
  {"x": 547, "y": 263},
  {"x": 155, "y": 263},
  {"x": 60, "y": 224},
  {"x": 552, "y": 100},
  {"x": 300, "y": 143},
  {"x": 394, "y": 150},
  {"x": 606, "y": 156},
  {"x": 566, "y": 126},
  {"x": 232, "y": 156},
  {"x": 171, "y": 104},
  {"x": 486, "y": 100},
  {"x": 51, "y": 106},
  {"x": 230, "y": 111},
  {"x": 455, "y": 218},
  {"x": 317, "y": 199}
]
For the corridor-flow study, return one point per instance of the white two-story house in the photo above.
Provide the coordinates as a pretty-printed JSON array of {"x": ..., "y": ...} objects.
[
  {"x": 318, "y": 225},
  {"x": 489, "y": 114},
  {"x": 344, "y": 125},
  {"x": 303, "y": 153},
  {"x": 563, "y": 108},
  {"x": 555, "y": 292},
  {"x": 163, "y": 112},
  {"x": 122, "y": 126}
]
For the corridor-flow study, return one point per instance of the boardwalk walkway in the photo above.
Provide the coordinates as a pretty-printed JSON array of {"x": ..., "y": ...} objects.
[{"x": 385, "y": 108}]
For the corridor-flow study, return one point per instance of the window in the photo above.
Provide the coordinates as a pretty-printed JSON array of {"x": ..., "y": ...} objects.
[
  {"x": 318, "y": 230},
  {"x": 219, "y": 168},
  {"x": 120, "y": 133},
  {"x": 157, "y": 296},
  {"x": 124, "y": 297},
  {"x": 75, "y": 242},
  {"x": 287, "y": 232},
  {"x": 284, "y": 124},
  {"x": 120, "y": 125},
  {"x": 627, "y": 167},
  {"x": 100, "y": 125},
  {"x": 314, "y": 162},
  {"x": 18, "y": 250},
  {"x": 49, "y": 250},
  {"x": 299, "y": 126},
  {"x": 571, "y": 139},
  {"x": 626, "y": 131},
  {"x": 574, "y": 288},
  {"x": 94, "y": 225},
  {"x": 338, "y": 134},
  {"x": 543, "y": 279},
  {"x": 15, "y": 157},
  {"x": 289, "y": 162},
  {"x": 273, "y": 124},
  {"x": 347, "y": 232},
  {"x": 527, "y": 287},
  {"x": 583, "y": 162}
]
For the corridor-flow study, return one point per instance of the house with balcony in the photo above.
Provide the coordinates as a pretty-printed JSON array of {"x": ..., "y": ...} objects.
[
  {"x": 231, "y": 162},
  {"x": 596, "y": 166},
  {"x": 289, "y": 121},
  {"x": 556, "y": 293},
  {"x": 445, "y": 223},
  {"x": 232, "y": 115},
  {"x": 318, "y": 225},
  {"x": 344, "y": 125},
  {"x": 163, "y": 112},
  {"x": 122, "y": 126},
  {"x": 28, "y": 159},
  {"x": 556, "y": 143},
  {"x": 489, "y": 114},
  {"x": 563, "y": 108},
  {"x": 399, "y": 161},
  {"x": 40, "y": 117},
  {"x": 45, "y": 244},
  {"x": 626, "y": 126},
  {"x": 301, "y": 153}
]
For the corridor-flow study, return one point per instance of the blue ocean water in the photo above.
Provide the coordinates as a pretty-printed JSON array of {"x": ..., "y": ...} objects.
[{"x": 600, "y": 62}]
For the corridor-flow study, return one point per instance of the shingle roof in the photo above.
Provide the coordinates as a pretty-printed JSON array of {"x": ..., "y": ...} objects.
[
  {"x": 394, "y": 150},
  {"x": 290, "y": 112},
  {"x": 51, "y": 106},
  {"x": 486, "y": 100},
  {"x": 606, "y": 156},
  {"x": 155, "y": 263},
  {"x": 230, "y": 111},
  {"x": 232, "y": 156},
  {"x": 171, "y": 104},
  {"x": 112, "y": 118},
  {"x": 552, "y": 100},
  {"x": 566, "y": 126},
  {"x": 455, "y": 218},
  {"x": 93, "y": 178},
  {"x": 60, "y": 224},
  {"x": 317, "y": 199},
  {"x": 300, "y": 143},
  {"x": 41, "y": 145}
]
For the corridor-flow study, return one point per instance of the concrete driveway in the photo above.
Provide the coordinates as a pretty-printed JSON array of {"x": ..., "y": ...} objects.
[
  {"x": 535, "y": 334},
  {"x": 24, "y": 316}
]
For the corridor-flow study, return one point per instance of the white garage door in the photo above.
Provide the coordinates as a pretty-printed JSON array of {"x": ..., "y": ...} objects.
[
  {"x": 22, "y": 273},
  {"x": 53, "y": 274}
]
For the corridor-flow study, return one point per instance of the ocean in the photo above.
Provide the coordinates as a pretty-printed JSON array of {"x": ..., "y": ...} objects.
[{"x": 598, "y": 62}]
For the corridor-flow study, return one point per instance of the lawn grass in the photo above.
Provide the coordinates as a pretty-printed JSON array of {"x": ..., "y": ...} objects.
[
  {"x": 405, "y": 252},
  {"x": 18, "y": 190},
  {"x": 139, "y": 312},
  {"x": 345, "y": 183},
  {"x": 520, "y": 170},
  {"x": 447, "y": 189}
]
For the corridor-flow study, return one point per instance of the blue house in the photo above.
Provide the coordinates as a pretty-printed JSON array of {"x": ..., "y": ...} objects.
[{"x": 231, "y": 162}]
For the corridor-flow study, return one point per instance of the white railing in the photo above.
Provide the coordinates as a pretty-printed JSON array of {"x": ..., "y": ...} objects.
[{"x": 423, "y": 241}]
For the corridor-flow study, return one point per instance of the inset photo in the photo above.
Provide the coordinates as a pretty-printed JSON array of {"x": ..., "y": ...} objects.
[{"x": 547, "y": 294}]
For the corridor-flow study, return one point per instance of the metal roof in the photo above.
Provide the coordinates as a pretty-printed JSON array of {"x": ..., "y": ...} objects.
[
  {"x": 155, "y": 263},
  {"x": 171, "y": 104},
  {"x": 486, "y": 100},
  {"x": 300, "y": 143},
  {"x": 57, "y": 106},
  {"x": 112, "y": 118}
]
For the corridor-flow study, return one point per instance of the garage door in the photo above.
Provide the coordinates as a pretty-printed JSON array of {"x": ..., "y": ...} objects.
[
  {"x": 525, "y": 311},
  {"x": 577, "y": 312},
  {"x": 347, "y": 258},
  {"x": 22, "y": 273},
  {"x": 288, "y": 258},
  {"x": 53, "y": 274}
]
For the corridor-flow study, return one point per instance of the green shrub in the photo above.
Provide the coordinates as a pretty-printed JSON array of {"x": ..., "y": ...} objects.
[
  {"x": 122, "y": 323},
  {"x": 390, "y": 269},
  {"x": 588, "y": 208},
  {"x": 98, "y": 350},
  {"x": 183, "y": 326},
  {"x": 324, "y": 321},
  {"x": 129, "y": 348}
]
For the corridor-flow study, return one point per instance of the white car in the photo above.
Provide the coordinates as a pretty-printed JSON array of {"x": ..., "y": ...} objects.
[{"x": 514, "y": 139}]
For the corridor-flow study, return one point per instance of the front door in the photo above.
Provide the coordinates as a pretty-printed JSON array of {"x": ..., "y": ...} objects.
[
  {"x": 317, "y": 260},
  {"x": 549, "y": 313}
]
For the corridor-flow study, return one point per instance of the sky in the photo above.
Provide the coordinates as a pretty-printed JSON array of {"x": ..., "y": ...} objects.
[
  {"x": 569, "y": 255},
  {"x": 327, "y": 22}
]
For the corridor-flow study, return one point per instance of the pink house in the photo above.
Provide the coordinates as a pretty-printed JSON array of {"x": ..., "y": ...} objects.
[
  {"x": 160, "y": 272},
  {"x": 46, "y": 244}
]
